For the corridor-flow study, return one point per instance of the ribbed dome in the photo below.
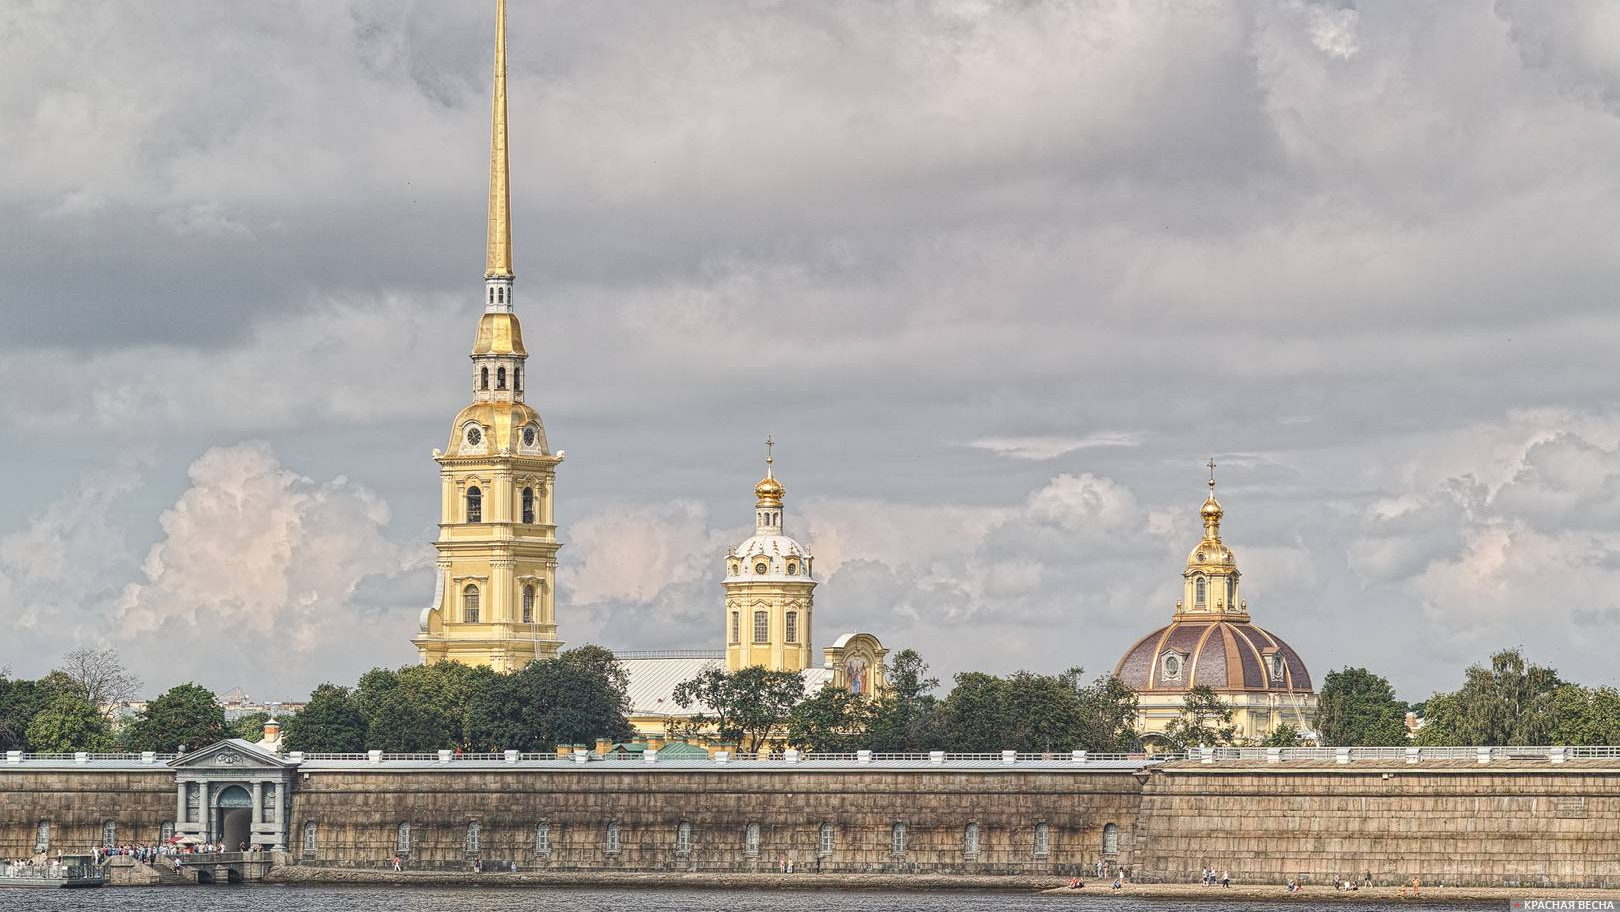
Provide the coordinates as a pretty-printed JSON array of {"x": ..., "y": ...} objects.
[{"x": 1226, "y": 655}]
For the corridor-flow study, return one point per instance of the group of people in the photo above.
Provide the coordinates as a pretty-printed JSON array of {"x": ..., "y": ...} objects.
[{"x": 1210, "y": 877}]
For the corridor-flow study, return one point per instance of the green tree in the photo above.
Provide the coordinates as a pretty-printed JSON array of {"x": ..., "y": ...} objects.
[
  {"x": 1586, "y": 715},
  {"x": 577, "y": 697},
  {"x": 331, "y": 723},
  {"x": 186, "y": 715},
  {"x": 1108, "y": 716},
  {"x": 420, "y": 707},
  {"x": 68, "y": 724},
  {"x": 1206, "y": 721},
  {"x": 975, "y": 715},
  {"x": 744, "y": 707},
  {"x": 1358, "y": 708},
  {"x": 249, "y": 727},
  {"x": 832, "y": 721},
  {"x": 905, "y": 717},
  {"x": 20, "y": 702},
  {"x": 1284, "y": 735},
  {"x": 1511, "y": 702}
]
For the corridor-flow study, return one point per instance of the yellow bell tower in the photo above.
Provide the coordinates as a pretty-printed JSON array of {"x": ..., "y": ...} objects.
[
  {"x": 770, "y": 588},
  {"x": 494, "y": 602}
]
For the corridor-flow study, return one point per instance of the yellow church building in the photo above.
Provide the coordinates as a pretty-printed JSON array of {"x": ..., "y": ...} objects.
[{"x": 494, "y": 600}]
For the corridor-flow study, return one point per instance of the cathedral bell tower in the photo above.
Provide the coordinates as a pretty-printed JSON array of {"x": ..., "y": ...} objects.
[
  {"x": 493, "y": 603},
  {"x": 769, "y": 588},
  {"x": 1210, "y": 582}
]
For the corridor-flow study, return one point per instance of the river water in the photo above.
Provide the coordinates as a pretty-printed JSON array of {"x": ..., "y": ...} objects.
[{"x": 259, "y": 898}]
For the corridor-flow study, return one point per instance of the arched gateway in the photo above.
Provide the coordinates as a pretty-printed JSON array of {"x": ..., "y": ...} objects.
[{"x": 234, "y": 793}]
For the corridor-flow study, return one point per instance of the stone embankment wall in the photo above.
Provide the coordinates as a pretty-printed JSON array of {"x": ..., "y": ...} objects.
[
  {"x": 358, "y": 818},
  {"x": 75, "y": 806},
  {"x": 1449, "y": 822}
]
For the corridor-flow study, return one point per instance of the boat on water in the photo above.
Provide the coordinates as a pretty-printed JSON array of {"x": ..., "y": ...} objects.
[{"x": 70, "y": 872}]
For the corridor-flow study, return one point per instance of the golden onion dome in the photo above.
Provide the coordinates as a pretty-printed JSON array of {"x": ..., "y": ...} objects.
[
  {"x": 1211, "y": 508},
  {"x": 769, "y": 492}
]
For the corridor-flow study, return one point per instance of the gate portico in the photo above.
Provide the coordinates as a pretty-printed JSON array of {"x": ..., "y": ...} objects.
[{"x": 234, "y": 785}]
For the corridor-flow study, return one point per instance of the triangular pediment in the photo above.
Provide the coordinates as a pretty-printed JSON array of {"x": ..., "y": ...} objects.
[{"x": 232, "y": 754}]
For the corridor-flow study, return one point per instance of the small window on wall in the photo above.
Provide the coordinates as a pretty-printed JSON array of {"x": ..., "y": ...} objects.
[
  {"x": 761, "y": 568},
  {"x": 1231, "y": 592},
  {"x": 542, "y": 839},
  {"x": 736, "y": 627},
  {"x": 792, "y": 569},
  {"x": 613, "y": 838},
  {"x": 517, "y": 384},
  {"x": 309, "y": 839},
  {"x": 469, "y": 604},
  {"x": 474, "y": 837},
  {"x": 528, "y": 604},
  {"x": 897, "y": 839},
  {"x": 1111, "y": 839},
  {"x": 970, "y": 841},
  {"x": 475, "y": 502},
  {"x": 1200, "y": 592},
  {"x": 483, "y": 378},
  {"x": 42, "y": 836},
  {"x": 527, "y": 511},
  {"x": 683, "y": 838},
  {"x": 825, "y": 846},
  {"x": 500, "y": 378},
  {"x": 762, "y": 627},
  {"x": 109, "y": 833},
  {"x": 1043, "y": 839},
  {"x": 792, "y": 630},
  {"x": 751, "y": 840},
  {"x": 402, "y": 843}
]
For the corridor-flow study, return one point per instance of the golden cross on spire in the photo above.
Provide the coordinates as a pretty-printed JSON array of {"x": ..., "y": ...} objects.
[
  {"x": 1211, "y": 465},
  {"x": 770, "y": 447}
]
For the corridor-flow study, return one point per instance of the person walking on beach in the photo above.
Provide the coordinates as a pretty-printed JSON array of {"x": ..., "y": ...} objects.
[{"x": 1226, "y": 878}]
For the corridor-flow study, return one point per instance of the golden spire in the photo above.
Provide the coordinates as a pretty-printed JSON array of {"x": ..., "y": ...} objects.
[
  {"x": 769, "y": 491},
  {"x": 1211, "y": 510},
  {"x": 499, "y": 264}
]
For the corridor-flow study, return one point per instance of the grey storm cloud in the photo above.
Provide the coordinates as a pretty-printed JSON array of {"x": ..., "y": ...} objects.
[{"x": 1000, "y": 276}]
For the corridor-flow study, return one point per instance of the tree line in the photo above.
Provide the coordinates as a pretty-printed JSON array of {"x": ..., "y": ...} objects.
[{"x": 581, "y": 695}]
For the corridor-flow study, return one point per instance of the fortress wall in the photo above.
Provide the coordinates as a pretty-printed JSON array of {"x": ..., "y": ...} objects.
[
  {"x": 357, "y": 816},
  {"x": 1457, "y": 823},
  {"x": 76, "y": 803}
]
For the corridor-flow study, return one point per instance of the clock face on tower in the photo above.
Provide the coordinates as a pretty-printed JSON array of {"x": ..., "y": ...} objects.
[
  {"x": 528, "y": 436},
  {"x": 474, "y": 436}
]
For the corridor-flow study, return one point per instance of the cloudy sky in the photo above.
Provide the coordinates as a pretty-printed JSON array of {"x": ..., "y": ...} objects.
[{"x": 999, "y": 276}]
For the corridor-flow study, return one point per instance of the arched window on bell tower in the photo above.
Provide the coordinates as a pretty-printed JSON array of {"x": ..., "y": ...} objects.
[
  {"x": 500, "y": 378},
  {"x": 475, "y": 505},
  {"x": 528, "y": 604},
  {"x": 483, "y": 378},
  {"x": 469, "y": 604},
  {"x": 528, "y": 505},
  {"x": 1200, "y": 592}
]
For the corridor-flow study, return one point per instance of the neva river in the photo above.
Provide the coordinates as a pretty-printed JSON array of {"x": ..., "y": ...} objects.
[{"x": 258, "y": 898}]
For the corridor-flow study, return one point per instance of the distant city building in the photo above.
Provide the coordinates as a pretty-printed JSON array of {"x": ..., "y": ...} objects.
[{"x": 1211, "y": 641}]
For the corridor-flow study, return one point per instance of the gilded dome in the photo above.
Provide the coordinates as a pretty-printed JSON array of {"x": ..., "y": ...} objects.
[
  {"x": 500, "y": 426},
  {"x": 769, "y": 492},
  {"x": 499, "y": 334},
  {"x": 1211, "y": 508},
  {"x": 1226, "y": 655}
]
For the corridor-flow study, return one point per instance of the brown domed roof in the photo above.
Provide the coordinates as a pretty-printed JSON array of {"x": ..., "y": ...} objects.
[{"x": 1226, "y": 655}]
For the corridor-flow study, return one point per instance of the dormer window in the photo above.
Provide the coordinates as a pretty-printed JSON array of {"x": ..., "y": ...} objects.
[
  {"x": 1278, "y": 667},
  {"x": 761, "y": 568},
  {"x": 1170, "y": 666},
  {"x": 792, "y": 569}
]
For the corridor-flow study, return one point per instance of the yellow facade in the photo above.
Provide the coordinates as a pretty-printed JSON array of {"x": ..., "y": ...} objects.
[
  {"x": 770, "y": 590},
  {"x": 494, "y": 602}
]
